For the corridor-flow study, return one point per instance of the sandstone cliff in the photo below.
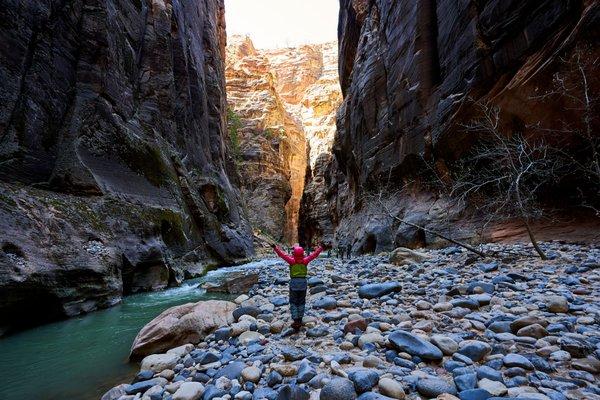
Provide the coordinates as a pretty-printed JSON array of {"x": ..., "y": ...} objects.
[
  {"x": 410, "y": 72},
  {"x": 114, "y": 170},
  {"x": 285, "y": 100}
]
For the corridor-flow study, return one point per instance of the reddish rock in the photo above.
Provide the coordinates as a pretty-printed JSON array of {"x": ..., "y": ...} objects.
[
  {"x": 177, "y": 326},
  {"x": 409, "y": 72},
  {"x": 283, "y": 102},
  {"x": 351, "y": 326}
]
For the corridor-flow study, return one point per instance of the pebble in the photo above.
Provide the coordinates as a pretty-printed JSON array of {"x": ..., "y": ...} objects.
[
  {"x": 495, "y": 388},
  {"x": 446, "y": 344},
  {"x": 557, "y": 304},
  {"x": 189, "y": 391},
  {"x": 364, "y": 379},
  {"x": 285, "y": 369},
  {"x": 433, "y": 387},
  {"x": 415, "y": 346},
  {"x": 318, "y": 331},
  {"x": 517, "y": 360},
  {"x": 373, "y": 337},
  {"x": 476, "y": 350},
  {"x": 338, "y": 389},
  {"x": 475, "y": 394},
  {"x": 142, "y": 386},
  {"x": 374, "y": 290},
  {"x": 251, "y": 374},
  {"x": 306, "y": 372},
  {"x": 446, "y": 327},
  {"x": 465, "y": 382},
  {"x": 371, "y": 361},
  {"x": 534, "y": 330},
  {"x": 391, "y": 388},
  {"x": 159, "y": 362}
]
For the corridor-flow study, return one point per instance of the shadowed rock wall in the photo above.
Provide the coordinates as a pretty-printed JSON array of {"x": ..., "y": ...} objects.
[
  {"x": 410, "y": 71},
  {"x": 115, "y": 174}
]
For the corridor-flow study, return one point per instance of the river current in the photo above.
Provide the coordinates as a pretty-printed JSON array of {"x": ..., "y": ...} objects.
[{"x": 82, "y": 357}]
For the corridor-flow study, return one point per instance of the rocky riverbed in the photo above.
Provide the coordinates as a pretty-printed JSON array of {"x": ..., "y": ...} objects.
[{"x": 434, "y": 324}]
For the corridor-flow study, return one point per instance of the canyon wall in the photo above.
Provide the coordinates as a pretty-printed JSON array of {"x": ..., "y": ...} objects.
[
  {"x": 115, "y": 174},
  {"x": 410, "y": 73},
  {"x": 318, "y": 109},
  {"x": 283, "y": 104},
  {"x": 270, "y": 144}
]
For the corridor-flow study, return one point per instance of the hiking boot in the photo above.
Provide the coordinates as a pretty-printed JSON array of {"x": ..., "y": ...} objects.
[{"x": 296, "y": 325}]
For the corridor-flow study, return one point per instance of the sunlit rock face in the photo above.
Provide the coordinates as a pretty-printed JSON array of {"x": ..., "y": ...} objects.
[
  {"x": 410, "y": 70},
  {"x": 291, "y": 94},
  {"x": 271, "y": 151},
  {"x": 317, "y": 111},
  {"x": 115, "y": 174}
]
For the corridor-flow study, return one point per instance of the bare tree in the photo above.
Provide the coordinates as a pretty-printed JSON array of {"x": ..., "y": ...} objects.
[
  {"x": 576, "y": 85},
  {"x": 503, "y": 175}
]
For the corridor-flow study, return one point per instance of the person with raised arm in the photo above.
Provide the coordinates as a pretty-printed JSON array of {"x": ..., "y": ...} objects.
[{"x": 298, "y": 283}]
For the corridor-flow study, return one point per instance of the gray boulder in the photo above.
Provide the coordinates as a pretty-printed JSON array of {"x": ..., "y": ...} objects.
[
  {"x": 374, "y": 290},
  {"x": 338, "y": 389},
  {"x": 415, "y": 346}
]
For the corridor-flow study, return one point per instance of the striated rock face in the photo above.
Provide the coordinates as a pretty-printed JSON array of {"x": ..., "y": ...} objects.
[
  {"x": 410, "y": 72},
  {"x": 285, "y": 100},
  {"x": 317, "y": 110},
  {"x": 114, "y": 170},
  {"x": 271, "y": 149}
]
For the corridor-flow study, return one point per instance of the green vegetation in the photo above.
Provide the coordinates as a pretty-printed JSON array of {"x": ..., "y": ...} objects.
[
  {"x": 234, "y": 124},
  {"x": 268, "y": 133}
]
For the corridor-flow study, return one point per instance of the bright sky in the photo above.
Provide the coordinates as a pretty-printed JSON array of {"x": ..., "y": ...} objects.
[{"x": 281, "y": 23}]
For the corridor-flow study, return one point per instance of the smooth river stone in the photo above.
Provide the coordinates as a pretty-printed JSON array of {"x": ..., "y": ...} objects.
[{"x": 415, "y": 346}]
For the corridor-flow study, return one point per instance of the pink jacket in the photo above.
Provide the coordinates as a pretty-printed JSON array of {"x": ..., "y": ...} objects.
[{"x": 298, "y": 258}]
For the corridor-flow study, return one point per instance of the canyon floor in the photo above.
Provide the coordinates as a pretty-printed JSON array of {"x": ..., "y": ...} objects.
[{"x": 435, "y": 324}]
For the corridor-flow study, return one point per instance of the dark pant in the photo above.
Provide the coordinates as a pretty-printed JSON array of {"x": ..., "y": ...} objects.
[{"x": 297, "y": 303}]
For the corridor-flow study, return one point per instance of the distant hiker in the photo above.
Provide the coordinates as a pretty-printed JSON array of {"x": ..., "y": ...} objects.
[
  {"x": 348, "y": 251},
  {"x": 340, "y": 251},
  {"x": 298, "y": 271}
]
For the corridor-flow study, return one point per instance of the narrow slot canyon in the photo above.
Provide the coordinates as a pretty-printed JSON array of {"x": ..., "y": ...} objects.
[
  {"x": 438, "y": 161},
  {"x": 281, "y": 121}
]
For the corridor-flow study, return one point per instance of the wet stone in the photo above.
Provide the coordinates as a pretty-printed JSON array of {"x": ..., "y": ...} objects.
[{"x": 433, "y": 387}]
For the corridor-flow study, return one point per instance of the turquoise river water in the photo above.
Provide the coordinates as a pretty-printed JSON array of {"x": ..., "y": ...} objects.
[{"x": 80, "y": 358}]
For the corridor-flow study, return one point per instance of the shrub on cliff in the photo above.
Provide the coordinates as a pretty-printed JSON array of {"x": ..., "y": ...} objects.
[{"x": 234, "y": 124}]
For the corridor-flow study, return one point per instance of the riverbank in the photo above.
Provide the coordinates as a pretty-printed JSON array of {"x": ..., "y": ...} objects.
[
  {"x": 441, "y": 323},
  {"x": 82, "y": 357}
]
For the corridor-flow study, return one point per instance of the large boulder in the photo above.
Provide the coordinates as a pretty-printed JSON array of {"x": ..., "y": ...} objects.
[{"x": 187, "y": 323}]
